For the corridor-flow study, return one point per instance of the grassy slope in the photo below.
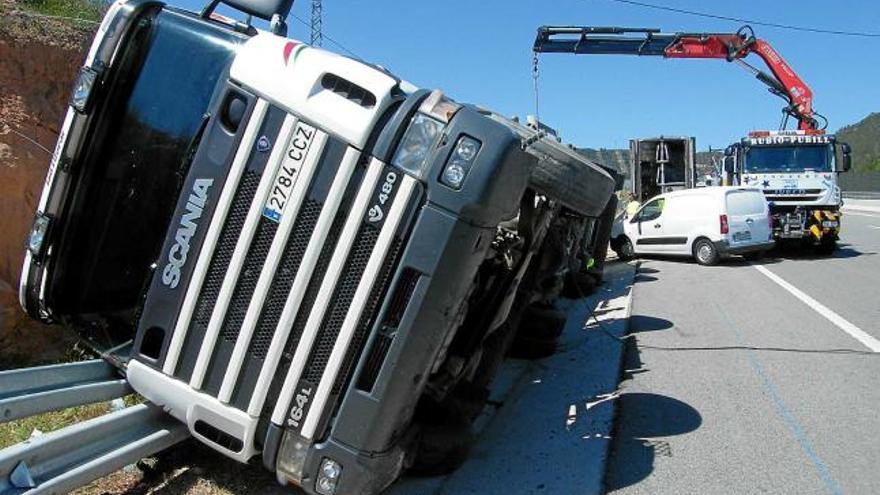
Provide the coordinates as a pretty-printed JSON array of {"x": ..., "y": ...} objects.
[{"x": 864, "y": 137}]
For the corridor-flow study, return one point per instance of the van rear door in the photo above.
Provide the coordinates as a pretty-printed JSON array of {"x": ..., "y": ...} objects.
[{"x": 747, "y": 217}]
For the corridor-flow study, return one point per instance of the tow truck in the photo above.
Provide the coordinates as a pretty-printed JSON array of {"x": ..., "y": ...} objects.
[
  {"x": 797, "y": 169},
  {"x": 298, "y": 259}
]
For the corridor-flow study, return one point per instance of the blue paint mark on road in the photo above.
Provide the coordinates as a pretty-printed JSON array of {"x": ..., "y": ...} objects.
[{"x": 787, "y": 417}]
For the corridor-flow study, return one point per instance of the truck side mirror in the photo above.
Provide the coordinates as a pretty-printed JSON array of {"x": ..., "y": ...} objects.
[
  {"x": 729, "y": 151},
  {"x": 846, "y": 157}
]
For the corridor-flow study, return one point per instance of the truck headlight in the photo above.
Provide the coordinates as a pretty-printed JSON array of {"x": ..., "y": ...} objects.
[
  {"x": 420, "y": 138},
  {"x": 460, "y": 161},
  {"x": 292, "y": 458},
  {"x": 82, "y": 90},
  {"x": 37, "y": 235},
  {"x": 328, "y": 477}
]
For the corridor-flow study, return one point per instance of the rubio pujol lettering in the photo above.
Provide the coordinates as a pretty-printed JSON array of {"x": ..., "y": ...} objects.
[{"x": 187, "y": 229}]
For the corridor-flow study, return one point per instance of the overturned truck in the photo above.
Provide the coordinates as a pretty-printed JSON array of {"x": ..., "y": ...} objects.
[{"x": 290, "y": 254}]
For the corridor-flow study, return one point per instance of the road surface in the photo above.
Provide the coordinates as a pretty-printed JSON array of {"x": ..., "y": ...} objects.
[{"x": 755, "y": 379}]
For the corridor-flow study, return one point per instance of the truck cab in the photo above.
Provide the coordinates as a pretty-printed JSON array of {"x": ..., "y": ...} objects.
[
  {"x": 798, "y": 172},
  {"x": 297, "y": 255}
]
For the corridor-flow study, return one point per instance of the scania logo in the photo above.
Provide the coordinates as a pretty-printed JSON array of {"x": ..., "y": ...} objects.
[
  {"x": 177, "y": 254},
  {"x": 375, "y": 213},
  {"x": 263, "y": 144}
]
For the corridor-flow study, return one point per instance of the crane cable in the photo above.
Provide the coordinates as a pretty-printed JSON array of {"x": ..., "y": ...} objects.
[{"x": 535, "y": 75}]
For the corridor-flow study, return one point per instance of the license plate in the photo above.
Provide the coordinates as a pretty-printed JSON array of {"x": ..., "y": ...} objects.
[
  {"x": 742, "y": 236},
  {"x": 288, "y": 171},
  {"x": 829, "y": 224}
]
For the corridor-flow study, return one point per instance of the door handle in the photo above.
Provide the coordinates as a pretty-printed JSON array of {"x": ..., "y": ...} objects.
[
  {"x": 656, "y": 225},
  {"x": 749, "y": 220}
]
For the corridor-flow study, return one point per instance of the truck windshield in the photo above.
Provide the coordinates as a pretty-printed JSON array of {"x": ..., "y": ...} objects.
[
  {"x": 794, "y": 158},
  {"x": 130, "y": 175}
]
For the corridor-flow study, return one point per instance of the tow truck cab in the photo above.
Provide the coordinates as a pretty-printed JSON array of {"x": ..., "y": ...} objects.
[
  {"x": 797, "y": 170},
  {"x": 278, "y": 244}
]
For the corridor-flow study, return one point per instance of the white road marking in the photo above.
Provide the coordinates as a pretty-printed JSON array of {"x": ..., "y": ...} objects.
[
  {"x": 854, "y": 331},
  {"x": 847, "y": 213}
]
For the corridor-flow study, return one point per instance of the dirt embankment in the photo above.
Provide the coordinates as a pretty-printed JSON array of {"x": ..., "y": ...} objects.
[{"x": 39, "y": 59}]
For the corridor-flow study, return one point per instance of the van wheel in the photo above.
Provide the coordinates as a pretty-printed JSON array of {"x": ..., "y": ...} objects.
[
  {"x": 625, "y": 250},
  {"x": 705, "y": 252}
]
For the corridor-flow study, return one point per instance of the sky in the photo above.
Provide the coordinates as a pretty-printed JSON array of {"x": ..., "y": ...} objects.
[{"x": 480, "y": 52}]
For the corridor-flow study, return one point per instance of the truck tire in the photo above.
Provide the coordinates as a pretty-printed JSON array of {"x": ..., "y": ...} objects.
[
  {"x": 705, "y": 252},
  {"x": 624, "y": 248},
  {"x": 441, "y": 448},
  {"x": 542, "y": 323},
  {"x": 826, "y": 247},
  {"x": 570, "y": 183}
]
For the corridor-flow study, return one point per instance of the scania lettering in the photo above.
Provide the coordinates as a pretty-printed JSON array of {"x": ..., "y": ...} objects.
[{"x": 188, "y": 226}]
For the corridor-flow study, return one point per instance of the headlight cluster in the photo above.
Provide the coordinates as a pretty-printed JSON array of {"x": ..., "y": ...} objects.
[
  {"x": 292, "y": 458},
  {"x": 423, "y": 134},
  {"x": 37, "y": 235},
  {"x": 82, "y": 90},
  {"x": 420, "y": 138},
  {"x": 459, "y": 163},
  {"x": 328, "y": 477}
]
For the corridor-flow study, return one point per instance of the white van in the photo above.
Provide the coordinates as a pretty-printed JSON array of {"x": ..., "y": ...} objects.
[{"x": 707, "y": 223}]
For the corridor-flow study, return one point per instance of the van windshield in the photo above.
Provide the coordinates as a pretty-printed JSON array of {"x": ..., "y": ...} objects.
[{"x": 134, "y": 164}]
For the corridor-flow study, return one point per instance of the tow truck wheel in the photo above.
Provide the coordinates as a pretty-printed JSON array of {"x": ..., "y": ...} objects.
[
  {"x": 827, "y": 246},
  {"x": 705, "y": 252}
]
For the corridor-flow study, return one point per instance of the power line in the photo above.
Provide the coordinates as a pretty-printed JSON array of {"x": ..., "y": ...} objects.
[{"x": 749, "y": 21}]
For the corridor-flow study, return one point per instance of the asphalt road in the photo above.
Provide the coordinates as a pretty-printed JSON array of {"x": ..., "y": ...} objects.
[{"x": 734, "y": 384}]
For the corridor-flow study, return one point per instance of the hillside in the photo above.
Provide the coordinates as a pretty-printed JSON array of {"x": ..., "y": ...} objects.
[
  {"x": 39, "y": 58},
  {"x": 864, "y": 137}
]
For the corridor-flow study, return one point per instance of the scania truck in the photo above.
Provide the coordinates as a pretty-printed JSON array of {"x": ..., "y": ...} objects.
[{"x": 291, "y": 255}]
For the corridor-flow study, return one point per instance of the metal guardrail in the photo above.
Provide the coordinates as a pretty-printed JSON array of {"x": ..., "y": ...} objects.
[
  {"x": 861, "y": 195},
  {"x": 29, "y": 391},
  {"x": 63, "y": 460},
  {"x": 66, "y": 459}
]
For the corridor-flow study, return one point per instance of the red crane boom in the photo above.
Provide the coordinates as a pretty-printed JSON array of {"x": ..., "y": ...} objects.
[{"x": 733, "y": 47}]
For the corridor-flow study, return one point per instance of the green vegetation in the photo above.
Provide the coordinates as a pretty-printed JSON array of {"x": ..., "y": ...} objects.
[
  {"x": 864, "y": 138},
  {"x": 91, "y": 10},
  {"x": 19, "y": 430}
]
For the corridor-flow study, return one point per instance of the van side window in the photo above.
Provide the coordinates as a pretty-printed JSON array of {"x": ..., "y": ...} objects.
[{"x": 650, "y": 211}]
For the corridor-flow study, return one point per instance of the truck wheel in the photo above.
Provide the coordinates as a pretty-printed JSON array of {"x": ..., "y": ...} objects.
[
  {"x": 441, "y": 448},
  {"x": 827, "y": 246},
  {"x": 531, "y": 349},
  {"x": 705, "y": 252},
  {"x": 624, "y": 249},
  {"x": 579, "y": 284},
  {"x": 542, "y": 323}
]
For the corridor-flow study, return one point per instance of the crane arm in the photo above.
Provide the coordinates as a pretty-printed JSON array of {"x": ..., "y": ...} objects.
[{"x": 783, "y": 82}]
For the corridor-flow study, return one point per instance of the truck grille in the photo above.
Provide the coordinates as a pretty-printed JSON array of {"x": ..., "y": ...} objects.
[{"x": 286, "y": 300}]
